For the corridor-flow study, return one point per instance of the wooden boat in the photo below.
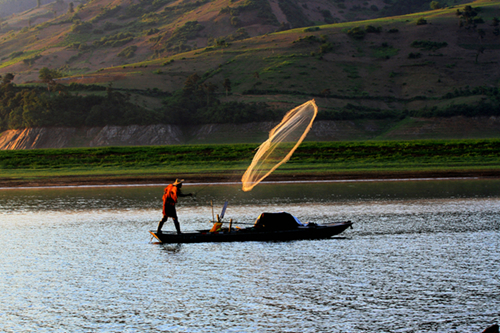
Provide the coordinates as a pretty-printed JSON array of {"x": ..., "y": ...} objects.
[{"x": 268, "y": 227}]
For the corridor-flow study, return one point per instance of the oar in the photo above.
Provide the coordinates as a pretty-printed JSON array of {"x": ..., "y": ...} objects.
[{"x": 234, "y": 222}]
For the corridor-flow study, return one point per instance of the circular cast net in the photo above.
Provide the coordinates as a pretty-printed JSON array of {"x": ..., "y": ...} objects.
[{"x": 283, "y": 141}]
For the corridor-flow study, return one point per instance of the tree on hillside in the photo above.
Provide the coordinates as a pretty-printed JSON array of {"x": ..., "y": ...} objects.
[
  {"x": 109, "y": 91},
  {"x": 227, "y": 85},
  {"x": 47, "y": 76},
  {"x": 38, "y": 3},
  {"x": 191, "y": 84},
  {"x": 435, "y": 5},
  {"x": 210, "y": 89},
  {"x": 466, "y": 16},
  {"x": 8, "y": 78},
  {"x": 481, "y": 33},
  {"x": 480, "y": 50},
  {"x": 495, "y": 23},
  {"x": 71, "y": 8}
]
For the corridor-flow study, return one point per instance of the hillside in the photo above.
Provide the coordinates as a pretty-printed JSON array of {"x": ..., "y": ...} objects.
[
  {"x": 9, "y": 7},
  {"x": 430, "y": 64},
  {"x": 84, "y": 36}
]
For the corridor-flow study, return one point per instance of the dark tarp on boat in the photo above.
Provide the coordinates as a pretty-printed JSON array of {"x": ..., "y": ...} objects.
[{"x": 276, "y": 221}]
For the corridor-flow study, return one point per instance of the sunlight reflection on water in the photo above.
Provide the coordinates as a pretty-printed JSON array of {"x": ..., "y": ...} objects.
[{"x": 421, "y": 257}]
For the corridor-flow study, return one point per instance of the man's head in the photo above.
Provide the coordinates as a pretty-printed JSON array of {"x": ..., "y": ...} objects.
[{"x": 178, "y": 182}]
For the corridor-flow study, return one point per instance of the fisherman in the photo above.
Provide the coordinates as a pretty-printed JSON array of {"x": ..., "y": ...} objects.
[{"x": 172, "y": 192}]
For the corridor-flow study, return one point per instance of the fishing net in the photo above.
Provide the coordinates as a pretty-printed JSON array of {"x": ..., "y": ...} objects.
[{"x": 283, "y": 141}]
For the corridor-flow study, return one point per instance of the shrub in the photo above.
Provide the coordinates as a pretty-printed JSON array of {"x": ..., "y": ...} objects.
[
  {"x": 239, "y": 34},
  {"x": 307, "y": 39},
  {"x": 152, "y": 31},
  {"x": 372, "y": 29},
  {"x": 84, "y": 47},
  {"x": 466, "y": 110},
  {"x": 326, "y": 47},
  {"x": 109, "y": 26},
  {"x": 31, "y": 60},
  {"x": 115, "y": 40},
  {"x": 356, "y": 33},
  {"x": 311, "y": 29},
  {"x": 428, "y": 45},
  {"x": 478, "y": 20},
  {"x": 235, "y": 21},
  {"x": 421, "y": 21},
  {"x": 155, "y": 39},
  {"x": 106, "y": 13},
  {"x": 16, "y": 54},
  {"x": 81, "y": 27},
  {"x": 128, "y": 52}
]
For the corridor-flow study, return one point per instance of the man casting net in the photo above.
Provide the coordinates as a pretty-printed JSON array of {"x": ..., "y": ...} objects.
[{"x": 283, "y": 141}]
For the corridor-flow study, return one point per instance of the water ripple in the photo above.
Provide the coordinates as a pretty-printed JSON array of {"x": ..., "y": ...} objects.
[{"x": 81, "y": 261}]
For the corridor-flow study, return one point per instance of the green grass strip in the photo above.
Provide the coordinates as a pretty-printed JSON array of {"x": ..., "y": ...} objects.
[{"x": 310, "y": 157}]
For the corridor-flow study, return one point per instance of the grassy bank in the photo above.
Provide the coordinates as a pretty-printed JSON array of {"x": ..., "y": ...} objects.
[{"x": 312, "y": 159}]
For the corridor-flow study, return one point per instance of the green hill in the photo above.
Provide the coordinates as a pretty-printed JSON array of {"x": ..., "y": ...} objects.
[{"x": 428, "y": 64}]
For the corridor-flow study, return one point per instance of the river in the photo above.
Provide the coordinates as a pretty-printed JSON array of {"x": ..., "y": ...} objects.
[{"x": 423, "y": 256}]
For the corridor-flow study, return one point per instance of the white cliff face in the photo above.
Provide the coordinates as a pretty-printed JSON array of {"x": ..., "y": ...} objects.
[
  {"x": 326, "y": 130},
  {"x": 32, "y": 138},
  {"x": 133, "y": 135},
  {"x": 136, "y": 135},
  {"x": 36, "y": 138}
]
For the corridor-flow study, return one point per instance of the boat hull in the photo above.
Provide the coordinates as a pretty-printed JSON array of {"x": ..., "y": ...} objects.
[{"x": 254, "y": 234}]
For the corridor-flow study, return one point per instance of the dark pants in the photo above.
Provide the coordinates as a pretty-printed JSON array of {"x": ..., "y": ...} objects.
[{"x": 169, "y": 212}]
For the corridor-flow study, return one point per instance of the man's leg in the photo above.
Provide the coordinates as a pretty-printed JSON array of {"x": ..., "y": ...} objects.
[
  {"x": 160, "y": 224},
  {"x": 177, "y": 225}
]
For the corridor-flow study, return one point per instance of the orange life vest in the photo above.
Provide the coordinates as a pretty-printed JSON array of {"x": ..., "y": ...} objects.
[{"x": 170, "y": 195}]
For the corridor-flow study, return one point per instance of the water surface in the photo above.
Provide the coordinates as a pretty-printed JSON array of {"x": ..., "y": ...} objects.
[{"x": 422, "y": 257}]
